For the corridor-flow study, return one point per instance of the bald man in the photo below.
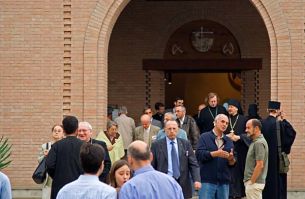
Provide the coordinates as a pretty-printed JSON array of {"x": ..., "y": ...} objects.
[
  {"x": 146, "y": 132},
  {"x": 147, "y": 183}
]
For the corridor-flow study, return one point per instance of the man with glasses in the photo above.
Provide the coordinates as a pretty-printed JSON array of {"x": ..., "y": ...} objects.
[{"x": 84, "y": 133}]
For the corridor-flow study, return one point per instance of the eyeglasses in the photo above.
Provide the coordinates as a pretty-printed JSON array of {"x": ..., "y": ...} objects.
[{"x": 83, "y": 130}]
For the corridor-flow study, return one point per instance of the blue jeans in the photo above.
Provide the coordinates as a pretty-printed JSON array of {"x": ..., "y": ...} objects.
[{"x": 214, "y": 191}]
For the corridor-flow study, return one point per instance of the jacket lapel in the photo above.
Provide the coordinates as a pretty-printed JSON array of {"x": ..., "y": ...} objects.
[{"x": 164, "y": 149}]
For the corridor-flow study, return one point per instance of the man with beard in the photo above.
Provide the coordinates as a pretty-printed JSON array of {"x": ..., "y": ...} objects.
[
  {"x": 208, "y": 114},
  {"x": 236, "y": 132},
  {"x": 276, "y": 182}
]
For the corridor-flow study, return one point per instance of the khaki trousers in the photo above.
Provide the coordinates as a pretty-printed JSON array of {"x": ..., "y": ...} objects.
[{"x": 254, "y": 191}]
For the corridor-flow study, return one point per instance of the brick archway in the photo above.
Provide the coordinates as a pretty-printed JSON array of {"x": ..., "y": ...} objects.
[{"x": 97, "y": 38}]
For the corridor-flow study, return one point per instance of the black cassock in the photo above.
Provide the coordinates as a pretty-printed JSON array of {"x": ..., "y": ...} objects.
[
  {"x": 238, "y": 122},
  {"x": 207, "y": 116},
  {"x": 276, "y": 183}
]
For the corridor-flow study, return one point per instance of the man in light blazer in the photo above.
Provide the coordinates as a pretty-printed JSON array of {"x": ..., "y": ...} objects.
[
  {"x": 163, "y": 159},
  {"x": 146, "y": 132}
]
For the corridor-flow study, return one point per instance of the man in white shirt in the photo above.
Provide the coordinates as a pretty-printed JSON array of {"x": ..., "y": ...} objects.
[{"x": 88, "y": 185}]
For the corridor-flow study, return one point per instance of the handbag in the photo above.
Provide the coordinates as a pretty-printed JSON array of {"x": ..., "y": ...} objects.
[
  {"x": 283, "y": 157},
  {"x": 40, "y": 172}
]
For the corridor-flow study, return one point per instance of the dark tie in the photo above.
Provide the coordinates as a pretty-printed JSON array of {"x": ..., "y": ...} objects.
[{"x": 176, "y": 170}]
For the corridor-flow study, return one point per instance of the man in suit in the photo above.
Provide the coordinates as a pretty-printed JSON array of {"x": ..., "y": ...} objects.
[
  {"x": 62, "y": 162},
  {"x": 126, "y": 126},
  {"x": 148, "y": 111},
  {"x": 188, "y": 124},
  {"x": 175, "y": 157},
  {"x": 85, "y": 134},
  {"x": 146, "y": 132}
]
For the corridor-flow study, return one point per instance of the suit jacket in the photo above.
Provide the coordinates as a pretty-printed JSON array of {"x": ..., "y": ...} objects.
[
  {"x": 191, "y": 129},
  {"x": 156, "y": 123},
  {"x": 107, "y": 161},
  {"x": 187, "y": 160},
  {"x": 139, "y": 133},
  {"x": 126, "y": 128},
  {"x": 63, "y": 163}
]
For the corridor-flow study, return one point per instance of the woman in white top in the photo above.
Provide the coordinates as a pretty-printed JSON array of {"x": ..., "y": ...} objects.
[{"x": 57, "y": 134}]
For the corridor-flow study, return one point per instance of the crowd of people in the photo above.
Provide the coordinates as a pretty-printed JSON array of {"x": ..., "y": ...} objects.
[{"x": 218, "y": 153}]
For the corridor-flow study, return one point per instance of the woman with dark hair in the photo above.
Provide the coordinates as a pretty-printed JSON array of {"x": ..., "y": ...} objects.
[
  {"x": 57, "y": 134},
  {"x": 119, "y": 174}
]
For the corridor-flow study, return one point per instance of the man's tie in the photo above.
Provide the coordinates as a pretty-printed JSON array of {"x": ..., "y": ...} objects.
[{"x": 176, "y": 170}]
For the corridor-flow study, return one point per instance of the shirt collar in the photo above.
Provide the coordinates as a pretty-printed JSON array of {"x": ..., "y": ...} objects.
[
  {"x": 87, "y": 177},
  {"x": 143, "y": 169},
  {"x": 258, "y": 137},
  {"x": 168, "y": 141},
  {"x": 216, "y": 134},
  {"x": 182, "y": 120}
]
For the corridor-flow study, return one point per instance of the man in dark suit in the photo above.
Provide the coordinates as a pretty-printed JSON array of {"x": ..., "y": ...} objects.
[
  {"x": 62, "y": 162},
  {"x": 85, "y": 134},
  {"x": 175, "y": 157}
]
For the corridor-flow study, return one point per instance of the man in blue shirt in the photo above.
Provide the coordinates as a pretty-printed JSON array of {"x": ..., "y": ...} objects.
[
  {"x": 175, "y": 157},
  {"x": 147, "y": 183},
  {"x": 88, "y": 185},
  {"x": 5, "y": 187}
]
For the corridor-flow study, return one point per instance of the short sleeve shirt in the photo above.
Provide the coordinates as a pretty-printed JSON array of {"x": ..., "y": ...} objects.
[{"x": 258, "y": 150}]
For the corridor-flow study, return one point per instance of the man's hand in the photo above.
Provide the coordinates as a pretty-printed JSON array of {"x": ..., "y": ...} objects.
[
  {"x": 231, "y": 155},
  {"x": 220, "y": 153},
  {"x": 197, "y": 185},
  {"x": 233, "y": 137},
  {"x": 231, "y": 158},
  {"x": 110, "y": 147}
]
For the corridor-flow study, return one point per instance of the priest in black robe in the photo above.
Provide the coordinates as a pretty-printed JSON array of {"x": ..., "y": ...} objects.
[
  {"x": 208, "y": 114},
  {"x": 276, "y": 183},
  {"x": 236, "y": 132}
]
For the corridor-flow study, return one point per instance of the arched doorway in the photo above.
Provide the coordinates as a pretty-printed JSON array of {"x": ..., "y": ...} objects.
[
  {"x": 202, "y": 56},
  {"x": 106, "y": 13},
  {"x": 134, "y": 40}
]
